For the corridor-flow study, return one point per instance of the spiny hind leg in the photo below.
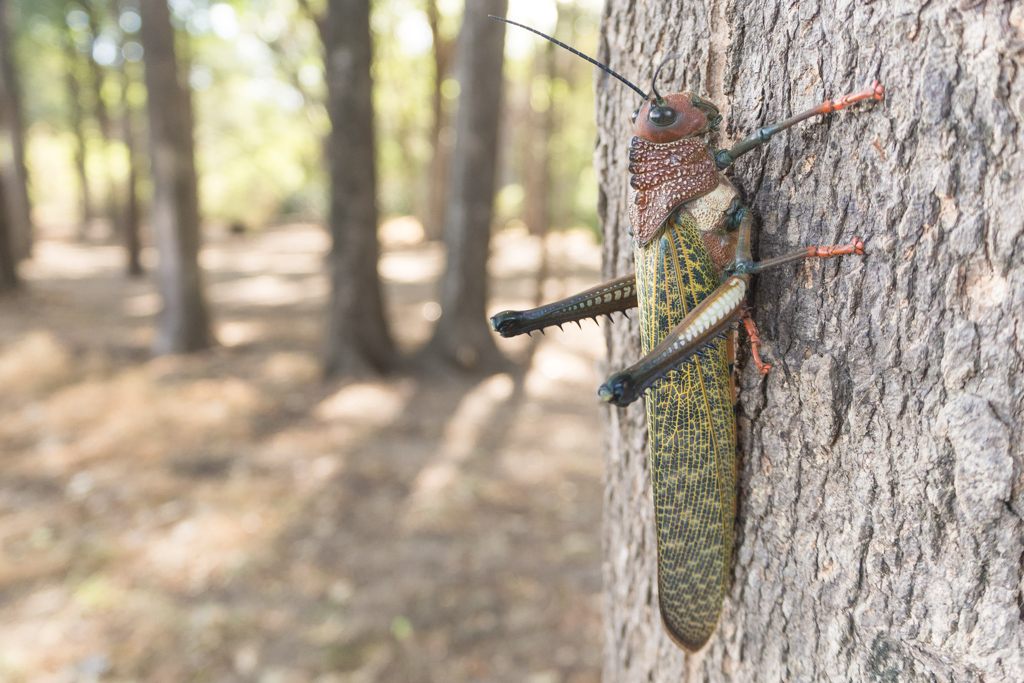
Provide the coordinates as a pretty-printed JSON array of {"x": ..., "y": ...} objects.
[
  {"x": 604, "y": 299},
  {"x": 710, "y": 320}
]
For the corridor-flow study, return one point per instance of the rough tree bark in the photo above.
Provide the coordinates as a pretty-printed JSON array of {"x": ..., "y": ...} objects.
[
  {"x": 12, "y": 142},
  {"x": 357, "y": 338},
  {"x": 879, "y": 532},
  {"x": 174, "y": 212},
  {"x": 462, "y": 336}
]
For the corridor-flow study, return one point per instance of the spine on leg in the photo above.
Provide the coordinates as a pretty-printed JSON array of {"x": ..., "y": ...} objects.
[{"x": 605, "y": 299}]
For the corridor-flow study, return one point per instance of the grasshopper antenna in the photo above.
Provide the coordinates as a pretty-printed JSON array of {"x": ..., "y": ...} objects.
[
  {"x": 575, "y": 52},
  {"x": 670, "y": 57}
]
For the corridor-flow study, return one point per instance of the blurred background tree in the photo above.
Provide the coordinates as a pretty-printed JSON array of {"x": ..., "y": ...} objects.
[
  {"x": 9, "y": 281},
  {"x": 126, "y": 216},
  {"x": 462, "y": 336},
  {"x": 255, "y": 73},
  {"x": 357, "y": 332},
  {"x": 12, "y": 144},
  {"x": 184, "y": 323}
]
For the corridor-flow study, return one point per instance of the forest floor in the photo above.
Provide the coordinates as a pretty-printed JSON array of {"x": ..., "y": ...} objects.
[{"x": 229, "y": 516}]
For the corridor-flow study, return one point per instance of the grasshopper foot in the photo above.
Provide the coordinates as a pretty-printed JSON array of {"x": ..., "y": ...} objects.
[
  {"x": 854, "y": 247},
  {"x": 507, "y": 323},
  {"x": 619, "y": 390}
]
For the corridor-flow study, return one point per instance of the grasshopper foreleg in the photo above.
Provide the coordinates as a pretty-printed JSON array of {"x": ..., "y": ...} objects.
[
  {"x": 710, "y": 319},
  {"x": 725, "y": 157},
  {"x": 605, "y": 299}
]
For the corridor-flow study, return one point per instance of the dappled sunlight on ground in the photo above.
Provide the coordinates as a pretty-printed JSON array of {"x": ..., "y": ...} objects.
[
  {"x": 365, "y": 404},
  {"x": 267, "y": 290},
  {"x": 423, "y": 264},
  {"x": 436, "y": 488},
  {"x": 229, "y": 516}
]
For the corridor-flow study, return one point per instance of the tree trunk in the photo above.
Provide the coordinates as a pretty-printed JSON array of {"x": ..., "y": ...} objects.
[
  {"x": 128, "y": 225},
  {"x": 77, "y": 114},
  {"x": 9, "y": 281},
  {"x": 184, "y": 321},
  {"x": 131, "y": 223},
  {"x": 437, "y": 180},
  {"x": 879, "y": 532},
  {"x": 462, "y": 336},
  {"x": 12, "y": 144},
  {"x": 357, "y": 333},
  {"x": 104, "y": 121},
  {"x": 537, "y": 146}
]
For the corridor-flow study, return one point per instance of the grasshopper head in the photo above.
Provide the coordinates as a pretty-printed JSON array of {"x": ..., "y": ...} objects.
[{"x": 676, "y": 116}]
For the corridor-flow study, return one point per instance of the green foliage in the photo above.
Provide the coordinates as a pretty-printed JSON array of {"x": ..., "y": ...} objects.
[
  {"x": 403, "y": 87},
  {"x": 255, "y": 67},
  {"x": 255, "y": 73},
  {"x": 41, "y": 33}
]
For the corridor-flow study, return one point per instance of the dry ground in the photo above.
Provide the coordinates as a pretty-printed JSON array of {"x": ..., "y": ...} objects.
[{"x": 228, "y": 516}]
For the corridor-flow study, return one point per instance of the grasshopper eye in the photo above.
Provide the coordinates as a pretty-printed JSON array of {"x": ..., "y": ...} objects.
[
  {"x": 632, "y": 117},
  {"x": 662, "y": 116}
]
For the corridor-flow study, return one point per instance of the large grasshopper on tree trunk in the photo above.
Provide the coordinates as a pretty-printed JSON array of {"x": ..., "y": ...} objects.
[{"x": 691, "y": 241}]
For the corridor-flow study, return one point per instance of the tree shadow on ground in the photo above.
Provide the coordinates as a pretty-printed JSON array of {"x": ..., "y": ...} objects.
[{"x": 228, "y": 515}]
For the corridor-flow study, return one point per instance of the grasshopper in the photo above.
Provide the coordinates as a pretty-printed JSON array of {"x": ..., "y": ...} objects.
[{"x": 691, "y": 246}]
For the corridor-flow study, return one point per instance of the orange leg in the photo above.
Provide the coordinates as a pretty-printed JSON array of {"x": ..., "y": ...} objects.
[
  {"x": 724, "y": 157},
  {"x": 854, "y": 247},
  {"x": 828, "y": 251},
  {"x": 755, "y": 342},
  {"x": 875, "y": 91}
]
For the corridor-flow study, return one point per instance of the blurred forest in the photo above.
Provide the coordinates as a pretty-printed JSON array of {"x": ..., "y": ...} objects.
[
  {"x": 253, "y": 424},
  {"x": 256, "y": 73}
]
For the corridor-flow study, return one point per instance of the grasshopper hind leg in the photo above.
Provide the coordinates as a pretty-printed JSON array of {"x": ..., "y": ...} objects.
[
  {"x": 705, "y": 325},
  {"x": 614, "y": 296}
]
